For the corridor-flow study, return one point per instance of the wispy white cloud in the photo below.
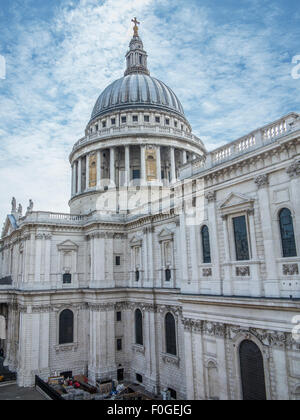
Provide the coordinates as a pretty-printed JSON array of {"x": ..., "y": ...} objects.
[{"x": 230, "y": 79}]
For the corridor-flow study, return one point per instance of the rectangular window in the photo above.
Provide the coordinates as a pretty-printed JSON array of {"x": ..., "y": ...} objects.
[
  {"x": 103, "y": 124},
  {"x": 119, "y": 316},
  {"x": 241, "y": 238},
  {"x": 136, "y": 174},
  {"x": 113, "y": 121},
  {"x": 157, "y": 120},
  {"x": 146, "y": 118},
  {"x": 175, "y": 123},
  {"x": 67, "y": 278},
  {"x": 119, "y": 344},
  {"x": 123, "y": 120},
  {"x": 135, "y": 118},
  {"x": 167, "y": 121},
  {"x": 118, "y": 260},
  {"x": 97, "y": 127},
  {"x": 139, "y": 378}
]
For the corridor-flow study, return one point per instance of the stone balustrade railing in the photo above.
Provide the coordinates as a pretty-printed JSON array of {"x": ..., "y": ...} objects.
[
  {"x": 42, "y": 216},
  {"x": 137, "y": 129},
  {"x": 254, "y": 140}
]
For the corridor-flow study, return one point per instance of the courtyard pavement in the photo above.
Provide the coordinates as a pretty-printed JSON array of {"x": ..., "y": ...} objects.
[{"x": 15, "y": 393}]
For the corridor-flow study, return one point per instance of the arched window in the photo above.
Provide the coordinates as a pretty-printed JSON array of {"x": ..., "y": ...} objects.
[
  {"x": 170, "y": 327},
  {"x": 287, "y": 233},
  {"x": 252, "y": 371},
  {"x": 66, "y": 327},
  {"x": 139, "y": 328},
  {"x": 205, "y": 245}
]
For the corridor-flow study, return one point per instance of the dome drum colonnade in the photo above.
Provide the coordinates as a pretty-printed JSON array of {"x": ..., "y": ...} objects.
[{"x": 144, "y": 135}]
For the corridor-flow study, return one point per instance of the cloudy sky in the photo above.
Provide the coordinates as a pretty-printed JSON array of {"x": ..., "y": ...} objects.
[{"x": 229, "y": 62}]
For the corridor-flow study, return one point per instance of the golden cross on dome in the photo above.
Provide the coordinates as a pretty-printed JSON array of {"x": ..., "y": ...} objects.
[{"x": 136, "y": 28}]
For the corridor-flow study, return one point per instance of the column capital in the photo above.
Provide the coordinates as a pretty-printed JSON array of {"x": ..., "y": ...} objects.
[
  {"x": 210, "y": 196},
  {"x": 262, "y": 181},
  {"x": 294, "y": 169}
]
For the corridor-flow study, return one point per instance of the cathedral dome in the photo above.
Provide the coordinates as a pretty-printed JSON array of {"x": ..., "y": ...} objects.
[{"x": 137, "y": 90}]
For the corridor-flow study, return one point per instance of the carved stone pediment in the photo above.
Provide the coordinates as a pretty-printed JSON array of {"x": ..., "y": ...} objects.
[
  {"x": 165, "y": 235},
  {"x": 67, "y": 246},
  {"x": 136, "y": 240},
  {"x": 236, "y": 202}
]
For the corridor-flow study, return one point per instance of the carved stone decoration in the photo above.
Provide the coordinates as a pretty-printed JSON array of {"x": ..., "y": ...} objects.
[
  {"x": 138, "y": 349},
  {"x": 266, "y": 337},
  {"x": 173, "y": 360},
  {"x": 210, "y": 196},
  {"x": 101, "y": 307},
  {"x": 207, "y": 272},
  {"x": 214, "y": 328},
  {"x": 294, "y": 169},
  {"x": 243, "y": 271},
  {"x": 262, "y": 180},
  {"x": 66, "y": 347},
  {"x": 290, "y": 269}
]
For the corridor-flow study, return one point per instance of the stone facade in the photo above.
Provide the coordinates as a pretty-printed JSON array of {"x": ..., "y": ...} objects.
[{"x": 151, "y": 259}]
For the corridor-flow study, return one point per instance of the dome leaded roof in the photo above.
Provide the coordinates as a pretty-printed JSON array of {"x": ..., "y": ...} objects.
[{"x": 137, "y": 90}]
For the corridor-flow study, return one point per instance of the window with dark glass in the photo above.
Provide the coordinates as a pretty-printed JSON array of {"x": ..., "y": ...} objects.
[
  {"x": 123, "y": 120},
  {"x": 97, "y": 127},
  {"x": 146, "y": 118},
  {"x": 205, "y": 245},
  {"x": 287, "y": 234},
  {"x": 67, "y": 278},
  {"x": 118, "y": 260},
  {"x": 103, "y": 124},
  {"x": 113, "y": 121},
  {"x": 241, "y": 238},
  {"x": 119, "y": 344},
  {"x": 66, "y": 327},
  {"x": 119, "y": 316},
  {"x": 167, "y": 121},
  {"x": 139, "y": 327},
  {"x": 157, "y": 120},
  {"x": 139, "y": 378},
  {"x": 168, "y": 274},
  {"x": 136, "y": 174},
  {"x": 137, "y": 275},
  {"x": 175, "y": 123},
  {"x": 135, "y": 118},
  {"x": 170, "y": 327}
]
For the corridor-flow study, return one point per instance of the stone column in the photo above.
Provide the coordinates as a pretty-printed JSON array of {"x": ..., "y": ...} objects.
[
  {"x": 38, "y": 257},
  {"x": 271, "y": 284},
  {"x": 112, "y": 166},
  {"x": 227, "y": 285},
  {"x": 256, "y": 286},
  {"x": 150, "y": 254},
  {"x": 127, "y": 165},
  {"x": 183, "y": 253},
  {"x": 195, "y": 287},
  {"x": 79, "y": 176},
  {"x": 143, "y": 164},
  {"x": 281, "y": 373},
  {"x": 294, "y": 173},
  {"x": 173, "y": 165},
  {"x": 99, "y": 164},
  {"x": 184, "y": 157},
  {"x": 145, "y": 258},
  {"x": 222, "y": 370},
  {"x": 190, "y": 391},
  {"x": 48, "y": 238},
  {"x": 158, "y": 164},
  {"x": 214, "y": 241},
  {"x": 87, "y": 172},
  {"x": 73, "y": 179}
]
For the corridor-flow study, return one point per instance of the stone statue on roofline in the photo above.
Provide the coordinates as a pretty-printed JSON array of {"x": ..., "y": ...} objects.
[
  {"x": 30, "y": 207},
  {"x": 13, "y": 205}
]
